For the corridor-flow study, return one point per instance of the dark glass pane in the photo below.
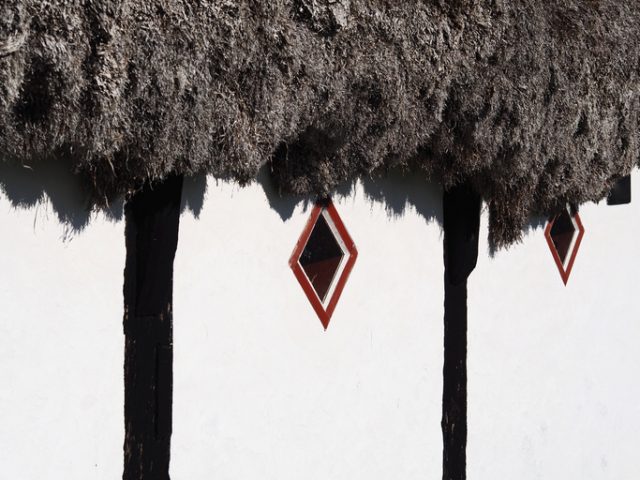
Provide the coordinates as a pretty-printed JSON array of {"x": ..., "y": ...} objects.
[
  {"x": 321, "y": 257},
  {"x": 562, "y": 233}
]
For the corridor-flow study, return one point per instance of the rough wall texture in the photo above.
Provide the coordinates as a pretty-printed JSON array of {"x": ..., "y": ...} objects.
[{"x": 535, "y": 101}]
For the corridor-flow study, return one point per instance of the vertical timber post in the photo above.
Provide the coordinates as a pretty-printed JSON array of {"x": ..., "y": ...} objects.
[
  {"x": 152, "y": 219},
  {"x": 620, "y": 194},
  {"x": 461, "y": 209}
]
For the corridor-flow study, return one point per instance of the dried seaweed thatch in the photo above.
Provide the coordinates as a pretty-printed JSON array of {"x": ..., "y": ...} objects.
[{"x": 536, "y": 102}]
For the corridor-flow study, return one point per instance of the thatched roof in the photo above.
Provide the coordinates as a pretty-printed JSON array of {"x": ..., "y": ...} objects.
[{"x": 536, "y": 102}]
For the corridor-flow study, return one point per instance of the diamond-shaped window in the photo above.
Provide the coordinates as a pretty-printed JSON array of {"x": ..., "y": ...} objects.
[
  {"x": 564, "y": 233},
  {"x": 323, "y": 259}
]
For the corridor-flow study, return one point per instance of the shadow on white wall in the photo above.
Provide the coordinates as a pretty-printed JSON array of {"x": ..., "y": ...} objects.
[{"x": 27, "y": 186}]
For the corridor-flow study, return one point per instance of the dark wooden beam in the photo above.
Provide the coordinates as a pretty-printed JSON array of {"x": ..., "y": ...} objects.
[
  {"x": 152, "y": 220},
  {"x": 461, "y": 207},
  {"x": 620, "y": 194}
]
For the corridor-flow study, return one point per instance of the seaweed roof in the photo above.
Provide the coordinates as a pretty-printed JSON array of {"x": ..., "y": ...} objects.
[{"x": 533, "y": 102}]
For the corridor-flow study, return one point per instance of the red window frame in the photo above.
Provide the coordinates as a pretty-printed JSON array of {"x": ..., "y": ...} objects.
[
  {"x": 324, "y": 314},
  {"x": 565, "y": 273}
]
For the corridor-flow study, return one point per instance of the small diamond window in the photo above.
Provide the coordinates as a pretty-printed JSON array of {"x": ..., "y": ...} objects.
[
  {"x": 323, "y": 259},
  {"x": 564, "y": 233}
]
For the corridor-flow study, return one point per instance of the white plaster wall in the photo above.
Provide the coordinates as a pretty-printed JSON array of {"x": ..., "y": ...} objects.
[
  {"x": 261, "y": 390},
  {"x": 61, "y": 343},
  {"x": 553, "y": 370}
]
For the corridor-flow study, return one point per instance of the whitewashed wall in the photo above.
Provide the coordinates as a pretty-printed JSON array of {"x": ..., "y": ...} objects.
[
  {"x": 61, "y": 340},
  {"x": 553, "y": 370},
  {"x": 261, "y": 391}
]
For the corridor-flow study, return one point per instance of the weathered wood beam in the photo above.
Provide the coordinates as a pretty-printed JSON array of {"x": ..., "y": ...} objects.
[
  {"x": 152, "y": 220},
  {"x": 461, "y": 207},
  {"x": 620, "y": 194}
]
